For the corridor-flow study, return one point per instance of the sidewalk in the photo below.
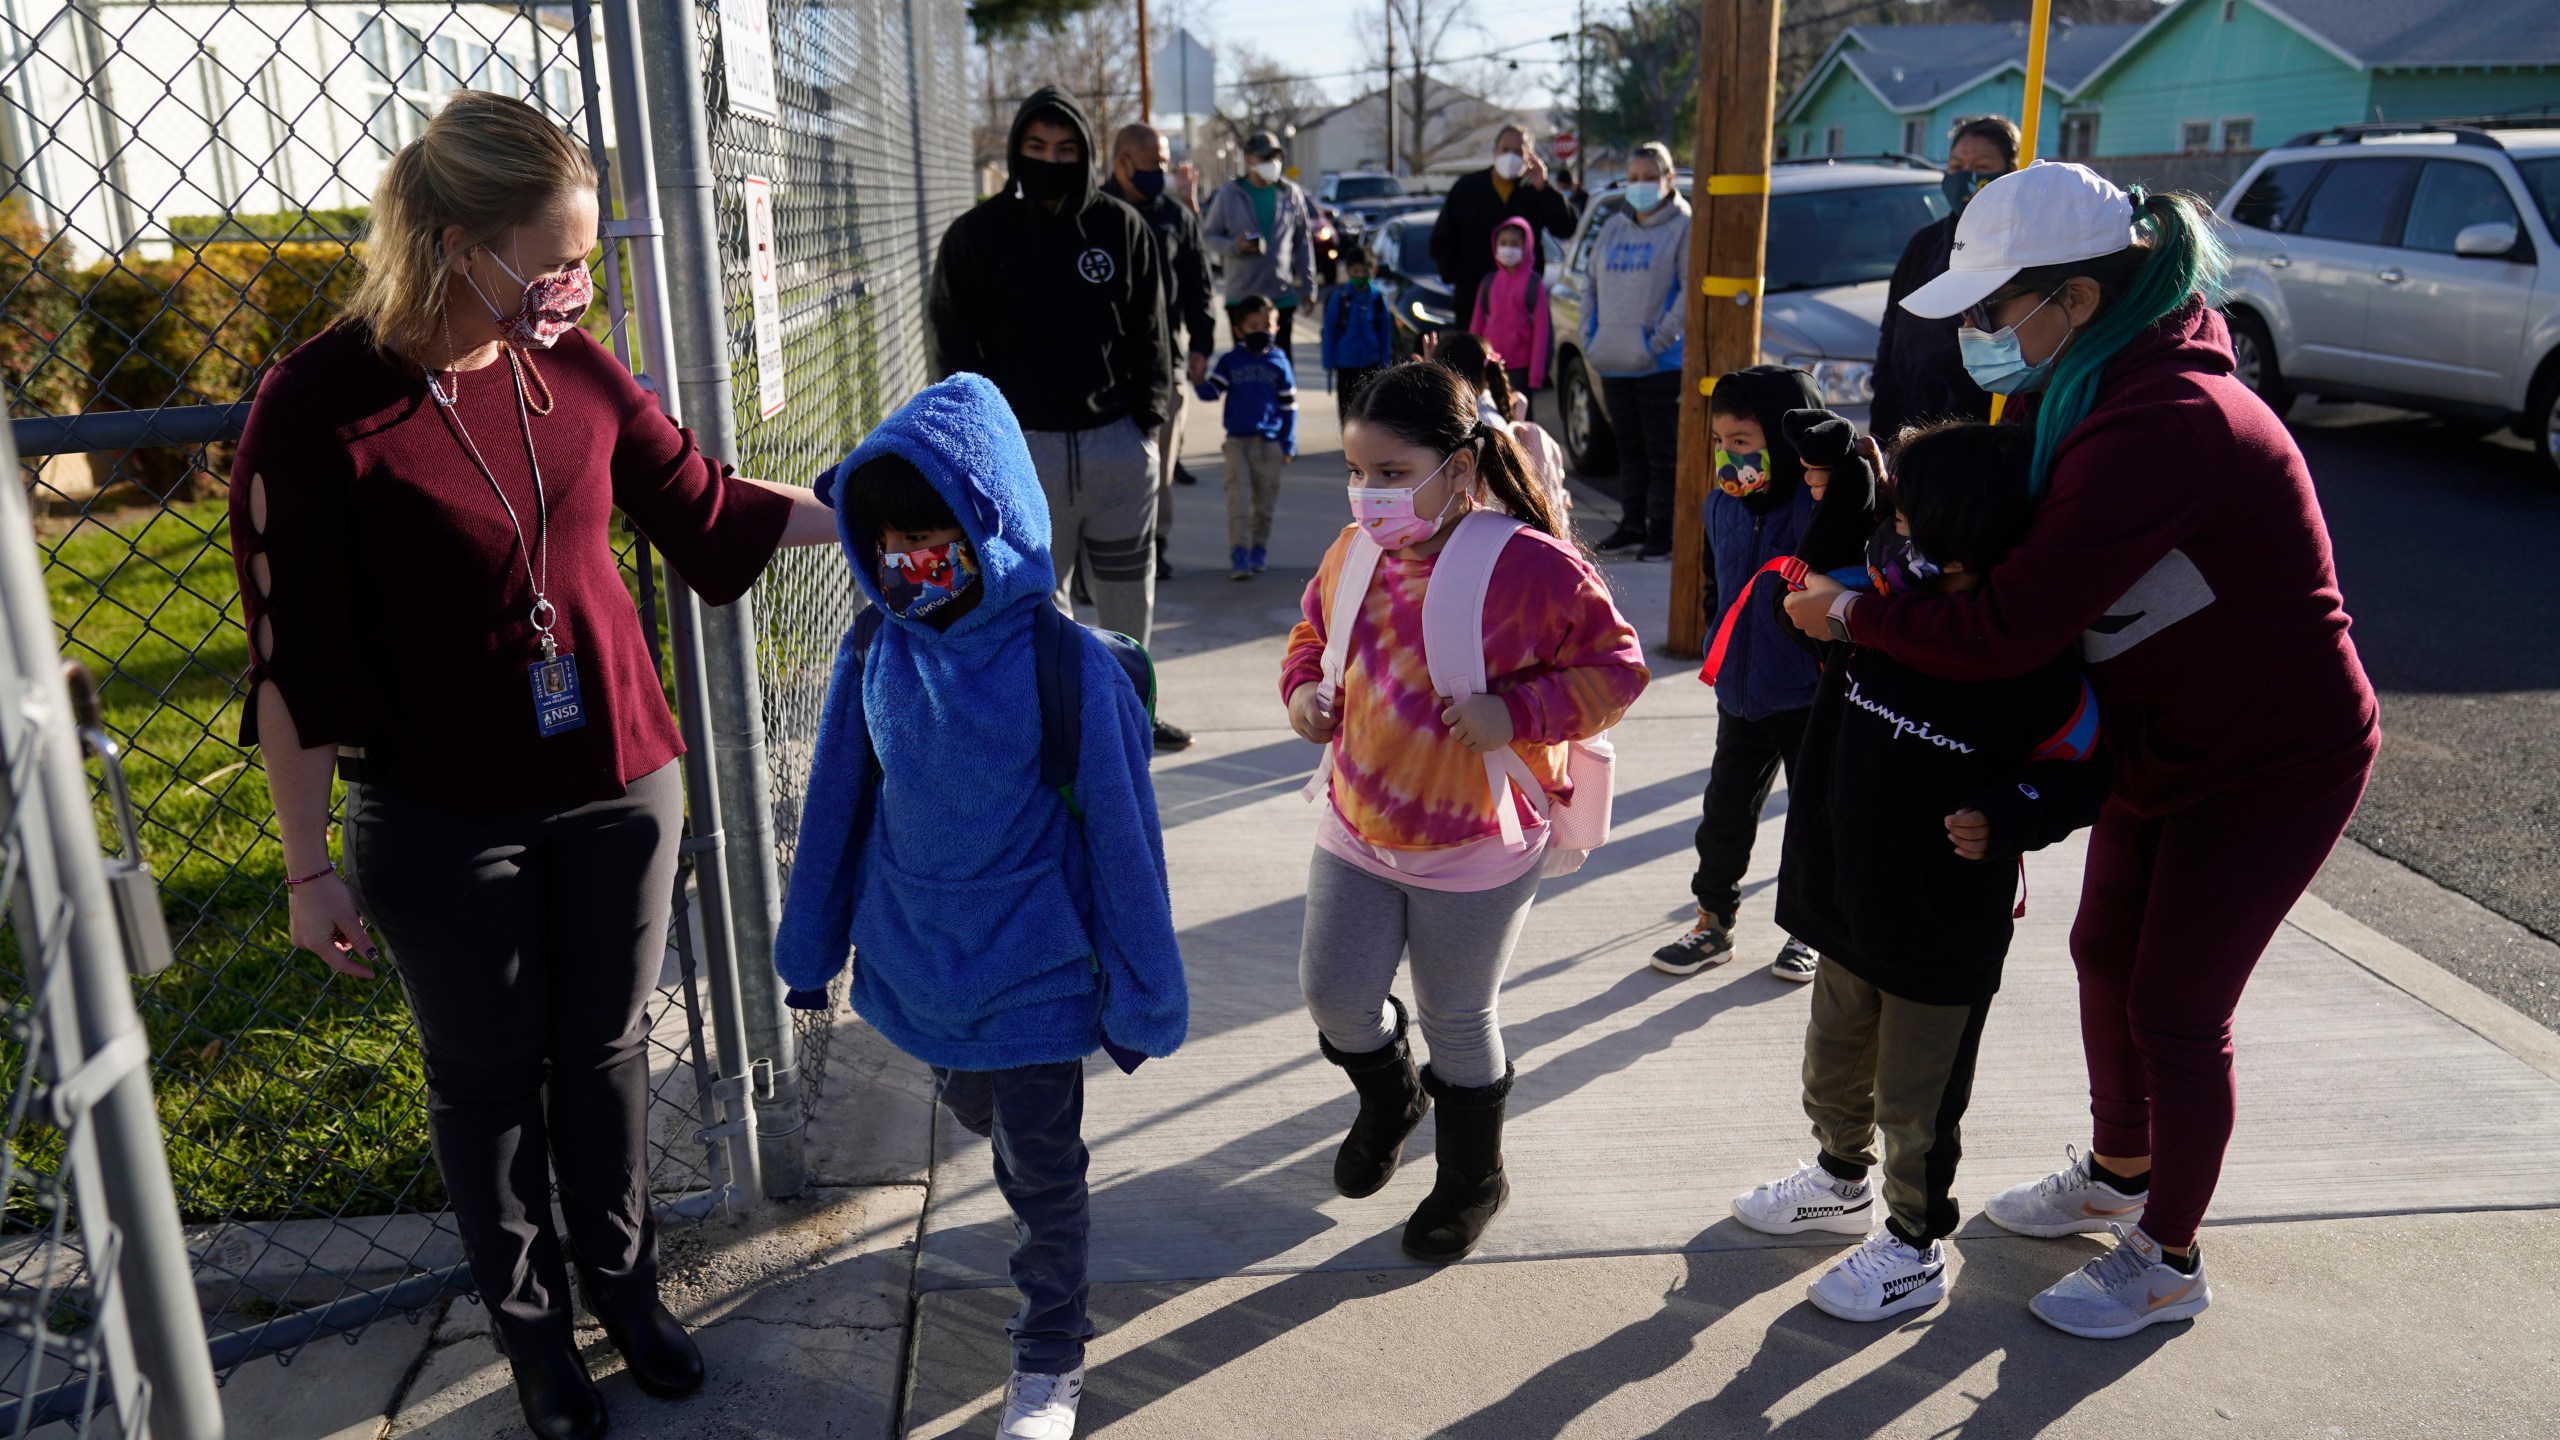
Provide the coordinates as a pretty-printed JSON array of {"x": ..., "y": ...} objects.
[{"x": 1238, "y": 1295}]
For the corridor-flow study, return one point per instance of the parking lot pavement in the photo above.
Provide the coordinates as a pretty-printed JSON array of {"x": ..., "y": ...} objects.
[{"x": 1615, "y": 1297}]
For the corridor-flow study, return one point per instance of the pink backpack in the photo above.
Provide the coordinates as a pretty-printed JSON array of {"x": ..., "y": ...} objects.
[{"x": 1453, "y": 648}]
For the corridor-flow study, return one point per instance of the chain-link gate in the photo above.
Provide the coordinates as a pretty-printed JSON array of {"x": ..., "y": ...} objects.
[{"x": 185, "y": 197}]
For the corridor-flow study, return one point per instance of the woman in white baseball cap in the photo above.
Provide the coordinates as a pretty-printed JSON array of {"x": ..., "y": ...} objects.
[{"x": 2179, "y": 547}]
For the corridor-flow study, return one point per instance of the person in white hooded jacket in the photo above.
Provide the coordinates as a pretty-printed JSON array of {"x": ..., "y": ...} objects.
[{"x": 1632, "y": 321}]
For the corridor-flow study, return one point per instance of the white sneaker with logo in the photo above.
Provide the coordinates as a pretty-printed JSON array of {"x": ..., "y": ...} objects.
[
  {"x": 1811, "y": 1199},
  {"x": 1041, "y": 1407},
  {"x": 2067, "y": 1202},
  {"x": 2122, "y": 1291},
  {"x": 1880, "y": 1278}
]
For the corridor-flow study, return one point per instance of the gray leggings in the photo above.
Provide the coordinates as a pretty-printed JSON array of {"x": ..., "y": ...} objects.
[{"x": 1360, "y": 925}]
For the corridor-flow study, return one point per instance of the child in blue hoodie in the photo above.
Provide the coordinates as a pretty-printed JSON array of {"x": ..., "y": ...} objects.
[
  {"x": 1758, "y": 506},
  {"x": 1261, "y": 392},
  {"x": 1005, "y": 929}
]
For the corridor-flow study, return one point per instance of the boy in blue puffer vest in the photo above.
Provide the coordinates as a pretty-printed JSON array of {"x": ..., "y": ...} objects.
[
  {"x": 1757, "y": 508},
  {"x": 1005, "y": 929}
]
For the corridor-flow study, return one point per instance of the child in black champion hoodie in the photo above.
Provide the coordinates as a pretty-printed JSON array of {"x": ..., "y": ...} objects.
[{"x": 1912, "y": 801}]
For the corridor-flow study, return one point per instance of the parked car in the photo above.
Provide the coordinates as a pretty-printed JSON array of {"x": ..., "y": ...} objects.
[
  {"x": 1837, "y": 226},
  {"x": 2412, "y": 265},
  {"x": 1361, "y": 199},
  {"x": 1416, "y": 296}
]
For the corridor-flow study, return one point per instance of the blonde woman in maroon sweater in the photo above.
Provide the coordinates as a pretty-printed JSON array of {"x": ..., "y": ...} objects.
[{"x": 421, "y": 515}]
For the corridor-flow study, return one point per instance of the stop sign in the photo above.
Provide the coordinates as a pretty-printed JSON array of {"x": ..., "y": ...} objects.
[{"x": 1564, "y": 146}]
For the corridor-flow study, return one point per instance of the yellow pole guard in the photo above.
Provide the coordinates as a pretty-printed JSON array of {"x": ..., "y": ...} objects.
[
  {"x": 1738, "y": 184},
  {"x": 1706, "y": 384},
  {"x": 1737, "y": 288},
  {"x": 2039, "y": 26}
]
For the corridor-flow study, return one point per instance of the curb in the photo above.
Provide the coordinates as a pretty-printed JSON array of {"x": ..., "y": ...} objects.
[{"x": 2466, "y": 1004}]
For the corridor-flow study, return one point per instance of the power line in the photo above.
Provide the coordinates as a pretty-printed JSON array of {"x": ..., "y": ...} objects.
[{"x": 1364, "y": 70}]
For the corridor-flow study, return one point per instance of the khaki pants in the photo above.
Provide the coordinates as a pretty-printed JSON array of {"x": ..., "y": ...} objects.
[
  {"x": 1253, "y": 489},
  {"x": 1873, "y": 1059}
]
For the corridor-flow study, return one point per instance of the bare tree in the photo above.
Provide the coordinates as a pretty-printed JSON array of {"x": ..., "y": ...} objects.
[
  {"x": 1437, "y": 105},
  {"x": 1651, "y": 71},
  {"x": 1263, "y": 95},
  {"x": 1092, "y": 54}
]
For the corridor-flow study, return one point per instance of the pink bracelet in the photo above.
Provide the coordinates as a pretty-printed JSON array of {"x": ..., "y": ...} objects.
[{"x": 331, "y": 868}]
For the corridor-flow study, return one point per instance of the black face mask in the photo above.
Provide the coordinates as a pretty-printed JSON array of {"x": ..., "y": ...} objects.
[
  {"x": 1255, "y": 339},
  {"x": 1148, "y": 183},
  {"x": 1048, "y": 179}
]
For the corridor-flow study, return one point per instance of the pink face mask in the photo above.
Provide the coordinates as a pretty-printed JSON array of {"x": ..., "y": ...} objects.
[
  {"x": 1387, "y": 512},
  {"x": 552, "y": 305}
]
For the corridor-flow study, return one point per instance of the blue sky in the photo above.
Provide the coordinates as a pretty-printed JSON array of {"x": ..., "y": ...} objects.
[{"x": 1325, "y": 38}]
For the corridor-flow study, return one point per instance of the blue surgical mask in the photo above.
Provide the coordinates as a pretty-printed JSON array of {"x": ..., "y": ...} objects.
[
  {"x": 1996, "y": 362},
  {"x": 1644, "y": 195}
]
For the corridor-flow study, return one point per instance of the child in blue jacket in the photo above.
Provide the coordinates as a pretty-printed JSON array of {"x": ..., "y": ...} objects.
[
  {"x": 1757, "y": 508},
  {"x": 1359, "y": 335},
  {"x": 1003, "y": 932},
  {"x": 1261, "y": 391}
]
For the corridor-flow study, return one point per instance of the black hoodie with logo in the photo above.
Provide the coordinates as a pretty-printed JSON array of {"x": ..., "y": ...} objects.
[{"x": 1064, "y": 309}]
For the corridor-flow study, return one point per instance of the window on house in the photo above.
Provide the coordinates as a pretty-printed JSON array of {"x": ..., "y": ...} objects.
[
  {"x": 1781, "y": 144},
  {"x": 393, "y": 88},
  {"x": 446, "y": 73},
  {"x": 1831, "y": 140},
  {"x": 2230, "y": 10},
  {"x": 2079, "y": 139},
  {"x": 560, "y": 85},
  {"x": 1913, "y": 138},
  {"x": 213, "y": 91},
  {"x": 279, "y": 131},
  {"x": 2239, "y": 134},
  {"x": 2195, "y": 137}
]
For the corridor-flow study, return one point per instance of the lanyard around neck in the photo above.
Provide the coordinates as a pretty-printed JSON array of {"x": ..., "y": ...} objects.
[{"x": 537, "y": 572}]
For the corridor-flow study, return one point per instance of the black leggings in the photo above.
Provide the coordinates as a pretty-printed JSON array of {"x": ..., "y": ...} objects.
[{"x": 529, "y": 942}]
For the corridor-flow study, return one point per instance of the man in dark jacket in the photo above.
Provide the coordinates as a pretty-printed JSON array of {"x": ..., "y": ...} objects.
[
  {"x": 1054, "y": 291},
  {"x": 1514, "y": 187},
  {"x": 1140, "y": 161},
  {"x": 1919, "y": 374}
]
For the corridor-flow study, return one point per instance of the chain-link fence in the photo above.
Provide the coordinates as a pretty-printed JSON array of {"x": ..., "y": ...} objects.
[
  {"x": 184, "y": 201},
  {"x": 868, "y": 164}
]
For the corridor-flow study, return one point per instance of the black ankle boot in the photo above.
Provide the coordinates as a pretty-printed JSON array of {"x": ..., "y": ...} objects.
[
  {"x": 663, "y": 1359},
  {"x": 1392, "y": 1102},
  {"x": 1471, "y": 1187},
  {"x": 560, "y": 1402}
]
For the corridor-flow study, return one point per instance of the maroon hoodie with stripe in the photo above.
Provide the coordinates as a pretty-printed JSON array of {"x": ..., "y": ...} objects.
[{"x": 2180, "y": 548}]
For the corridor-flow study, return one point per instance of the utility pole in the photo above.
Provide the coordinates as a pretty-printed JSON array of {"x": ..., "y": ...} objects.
[
  {"x": 1146, "y": 71},
  {"x": 1737, "y": 88},
  {"x": 1387, "y": 92}
]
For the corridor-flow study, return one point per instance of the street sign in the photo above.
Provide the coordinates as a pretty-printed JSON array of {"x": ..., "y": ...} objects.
[
  {"x": 746, "y": 57},
  {"x": 1186, "y": 75},
  {"x": 772, "y": 383},
  {"x": 1564, "y": 146}
]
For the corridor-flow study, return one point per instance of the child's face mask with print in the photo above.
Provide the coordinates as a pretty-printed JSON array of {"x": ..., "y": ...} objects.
[
  {"x": 918, "y": 580},
  {"x": 1742, "y": 455},
  {"x": 1895, "y": 565}
]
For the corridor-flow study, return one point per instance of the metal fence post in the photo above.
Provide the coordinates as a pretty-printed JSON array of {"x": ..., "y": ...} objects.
[
  {"x": 680, "y": 135},
  {"x": 167, "y": 1332}
]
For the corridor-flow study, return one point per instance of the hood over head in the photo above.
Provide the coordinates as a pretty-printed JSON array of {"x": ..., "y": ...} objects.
[
  {"x": 1051, "y": 103},
  {"x": 1771, "y": 391},
  {"x": 1528, "y": 238},
  {"x": 962, "y": 437}
]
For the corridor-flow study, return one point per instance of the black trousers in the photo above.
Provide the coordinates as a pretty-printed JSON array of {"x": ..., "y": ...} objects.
[
  {"x": 1748, "y": 756},
  {"x": 1644, "y": 413},
  {"x": 529, "y": 942}
]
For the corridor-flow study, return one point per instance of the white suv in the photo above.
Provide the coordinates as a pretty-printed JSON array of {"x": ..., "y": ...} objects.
[{"x": 2413, "y": 265}]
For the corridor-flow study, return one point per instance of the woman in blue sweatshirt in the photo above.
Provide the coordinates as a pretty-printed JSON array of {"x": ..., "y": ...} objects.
[{"x": 1006, "y": 929}]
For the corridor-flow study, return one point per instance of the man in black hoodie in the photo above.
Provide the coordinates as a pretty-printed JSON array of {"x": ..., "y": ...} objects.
[{"x": 1055, "y": 291}]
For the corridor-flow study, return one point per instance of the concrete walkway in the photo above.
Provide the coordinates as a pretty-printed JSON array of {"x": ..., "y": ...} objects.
[{"x": 2415, "y": 1119}]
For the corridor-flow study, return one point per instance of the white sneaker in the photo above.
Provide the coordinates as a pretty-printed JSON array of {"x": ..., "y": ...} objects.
[
  {"x": 2122, "y": 1291},
  {"x": 1041, "y": 1407},
  {"x": 2067, "y": 1202},
  {"x": 1811, "y": 1199},
  {"x": 1880, "y": 1278},
  {"x": 1796, "y": 961}
]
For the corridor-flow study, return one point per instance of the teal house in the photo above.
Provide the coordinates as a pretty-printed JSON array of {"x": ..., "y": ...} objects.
[{"x": 2202, "y": 77}]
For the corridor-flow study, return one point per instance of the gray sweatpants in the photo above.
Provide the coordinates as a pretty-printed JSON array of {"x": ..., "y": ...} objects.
[
  {"x": 1101, "y": 485},
  {"x": 1360, "y": 925}
]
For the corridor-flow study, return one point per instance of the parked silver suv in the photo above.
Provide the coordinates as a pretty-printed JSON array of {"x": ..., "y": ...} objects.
[{"x": 2413, "y": 265}]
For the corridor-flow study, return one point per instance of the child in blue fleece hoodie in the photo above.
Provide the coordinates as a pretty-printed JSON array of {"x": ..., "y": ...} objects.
[{"x": 1002, "y": 936}]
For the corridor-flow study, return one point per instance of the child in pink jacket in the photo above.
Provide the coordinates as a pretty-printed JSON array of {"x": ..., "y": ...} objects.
[{"x": 1511, "y": 309}]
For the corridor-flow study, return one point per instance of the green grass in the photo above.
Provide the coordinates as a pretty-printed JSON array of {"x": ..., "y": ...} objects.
[{"x": 285, "y": 1089}]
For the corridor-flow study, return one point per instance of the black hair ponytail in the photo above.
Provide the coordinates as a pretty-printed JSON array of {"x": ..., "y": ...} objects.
[{"x": 1428, "y": 405}]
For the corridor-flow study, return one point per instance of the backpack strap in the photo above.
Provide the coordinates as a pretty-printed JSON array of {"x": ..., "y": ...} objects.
[
  {"x": 1350, "y": 590},
  {"x": 1453, "y": 642},
  {"x": 1788, "y": 568},
  {"x": 866, "y": 633},
  {"x": 1057, "y": 661}
]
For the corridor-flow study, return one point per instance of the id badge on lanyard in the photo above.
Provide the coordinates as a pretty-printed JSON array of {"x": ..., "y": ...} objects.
[{"x": 557, "y": 708}]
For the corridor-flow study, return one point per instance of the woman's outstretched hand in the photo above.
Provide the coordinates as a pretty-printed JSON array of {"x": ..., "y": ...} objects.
[
  {"x": 1809, "y": 607},
  {"x": 325, "y": 922}
]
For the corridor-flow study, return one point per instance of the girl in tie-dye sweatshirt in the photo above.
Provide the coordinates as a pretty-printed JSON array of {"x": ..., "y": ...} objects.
[{"x": 1410, "y": 855}]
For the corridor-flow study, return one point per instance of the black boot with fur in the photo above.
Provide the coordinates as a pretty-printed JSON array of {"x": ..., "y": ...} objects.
[
  {"x": 1472, "y": 1188},
  {"x": 1392, "y": 1103}
]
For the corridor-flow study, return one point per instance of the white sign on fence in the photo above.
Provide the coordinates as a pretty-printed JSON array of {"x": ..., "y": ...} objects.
[
  {"x": 746, "y": 56},
  {"x": 772, "y": 386}
]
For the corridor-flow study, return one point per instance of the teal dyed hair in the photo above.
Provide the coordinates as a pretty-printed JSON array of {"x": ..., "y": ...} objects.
[{"x": 2182, "y": 260}]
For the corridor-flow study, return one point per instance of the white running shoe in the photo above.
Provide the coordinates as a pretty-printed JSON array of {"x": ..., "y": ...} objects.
[
  {"x": 2122, "y": 1291},
  {"x": 1811, "y": 1199},
  {"x": 1796, "y": 961},
  {"x": 2067, "y": 1202},
  {"x": 1880, "y": 1278},
  {"x": 1041, "y": 1407}
]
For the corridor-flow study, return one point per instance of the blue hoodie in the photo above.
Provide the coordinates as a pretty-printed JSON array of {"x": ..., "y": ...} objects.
[{"x": 990, "y": 928}]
